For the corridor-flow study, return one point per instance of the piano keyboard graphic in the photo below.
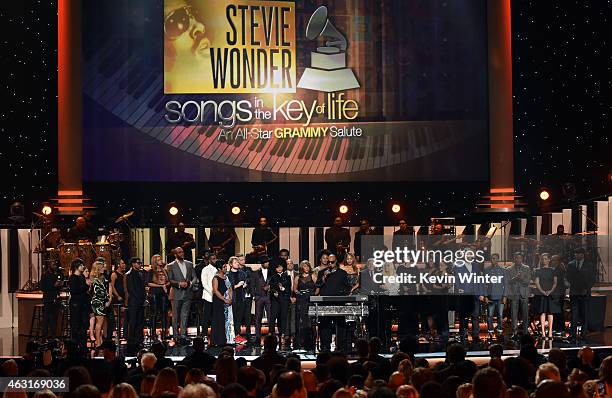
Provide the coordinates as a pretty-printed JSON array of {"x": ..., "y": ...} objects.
[{"x": 119, "y": 83}]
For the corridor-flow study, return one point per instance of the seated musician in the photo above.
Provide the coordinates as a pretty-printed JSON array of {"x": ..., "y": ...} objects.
[
  {"x": 337, "y": 238},
  {"x": 404, "y": 236},
  {"x": 262, "y": 237},
  {"x": 560, "y": 243},
  {"x": 81, "y": 231},
  {"x": 181, "y": 239},
  {"x": 222, "y": 240},
  {"x": 333, "y": 281},
  {"x": 364, "y": 241}
]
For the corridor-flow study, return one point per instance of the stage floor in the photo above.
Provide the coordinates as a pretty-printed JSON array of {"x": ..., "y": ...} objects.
[{"x": 434, "y": 352}]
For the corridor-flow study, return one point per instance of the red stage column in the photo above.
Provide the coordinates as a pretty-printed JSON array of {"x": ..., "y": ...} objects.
[
  {"x": 501, "y": 152},
  {"x": 69, "y": 113},
  {"x": 500, "y": 94}
]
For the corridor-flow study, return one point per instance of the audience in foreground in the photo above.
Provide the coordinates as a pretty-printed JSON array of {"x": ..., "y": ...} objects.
[{"x": 371, "y": 375}]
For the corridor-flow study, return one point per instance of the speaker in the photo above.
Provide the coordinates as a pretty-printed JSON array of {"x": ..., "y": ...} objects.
[{"x": 597, "y": 313}]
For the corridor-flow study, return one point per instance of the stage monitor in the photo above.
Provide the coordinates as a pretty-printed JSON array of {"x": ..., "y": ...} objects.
[{"x": 283, "y": 91}]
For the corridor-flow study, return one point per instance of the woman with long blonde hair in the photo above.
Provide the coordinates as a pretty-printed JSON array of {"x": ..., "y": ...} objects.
[
  {"x": 159, "y": 286},
  {"x": 350, "y": 266},
  {"x": 92, "y": 318},
  {"x": 100, "y": 300}
]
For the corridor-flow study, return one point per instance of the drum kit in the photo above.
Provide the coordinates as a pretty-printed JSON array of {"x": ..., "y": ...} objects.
[{"x": 63, "y": 253}]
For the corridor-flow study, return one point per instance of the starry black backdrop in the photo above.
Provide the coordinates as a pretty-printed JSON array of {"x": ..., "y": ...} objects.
[{"x": 562, "y": 71}]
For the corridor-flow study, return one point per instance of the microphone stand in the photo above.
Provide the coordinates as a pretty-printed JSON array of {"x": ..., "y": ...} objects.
[
  {"x": 30, "y": 285},
  {"x": 504, "y": 243}
]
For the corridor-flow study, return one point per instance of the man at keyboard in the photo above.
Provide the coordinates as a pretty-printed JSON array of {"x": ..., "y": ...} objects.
[{"x": 333, "y": 281}]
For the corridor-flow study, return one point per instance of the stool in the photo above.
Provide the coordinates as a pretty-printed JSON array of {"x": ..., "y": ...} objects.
[{"x": 37, "y": 319}]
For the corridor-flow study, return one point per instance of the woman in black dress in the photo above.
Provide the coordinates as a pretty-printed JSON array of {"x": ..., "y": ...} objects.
[
  {"x": 303, "y": 288},
  {"x": 546, "y": 301},
  {"x": 222, "y": 296}
]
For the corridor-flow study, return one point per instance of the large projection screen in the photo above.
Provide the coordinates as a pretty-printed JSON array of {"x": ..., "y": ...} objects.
[{"x": 282, "y": 91}]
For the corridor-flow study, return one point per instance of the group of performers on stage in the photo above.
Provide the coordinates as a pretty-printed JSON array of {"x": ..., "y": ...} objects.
[{"x": 220, "y": 291}]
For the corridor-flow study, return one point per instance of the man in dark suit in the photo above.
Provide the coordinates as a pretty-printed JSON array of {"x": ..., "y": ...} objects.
[
  {"x": 280, "y": 296},
  {"x": 581, "y": 275},
  {"x": 260, "y": 287},
  {"x": 182, "y": 275},
  {"x": 333, "y": 281},
  {"x": 469, "y": 293},
  {"x": 135, "y": 297}
]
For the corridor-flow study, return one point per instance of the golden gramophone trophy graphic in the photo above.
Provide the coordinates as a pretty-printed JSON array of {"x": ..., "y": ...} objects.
[{"x": 328, "y": 71}]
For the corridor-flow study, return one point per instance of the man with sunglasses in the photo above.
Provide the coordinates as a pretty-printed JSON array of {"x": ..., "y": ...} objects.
[
  {"x": 135, "y": 297},
  {"x": 186, "y": 45},
  {"x": 333, "y": 281}
]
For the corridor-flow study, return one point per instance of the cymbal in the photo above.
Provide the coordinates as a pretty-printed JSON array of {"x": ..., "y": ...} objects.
[
  {"x": 51, "y": 233},
  {"x": 124, "y": 217},
  {"x": 115, "y": 237}
]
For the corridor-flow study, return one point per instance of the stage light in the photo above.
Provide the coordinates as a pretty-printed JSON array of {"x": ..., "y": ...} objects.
[
  {"x": 544, "y": 194},
  {"x": 47, "y": 210},
  {"x": 236, "y": 209},
  {"x": 395, "y": 208},
  {"x": 173, "y": 210},
  {"x": 343, "y": 209}
]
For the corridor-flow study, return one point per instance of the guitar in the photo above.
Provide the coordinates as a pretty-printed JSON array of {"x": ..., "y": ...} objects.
[
  {"x": 260, "y": 249},
  {"x": 341, "y": 249}
]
